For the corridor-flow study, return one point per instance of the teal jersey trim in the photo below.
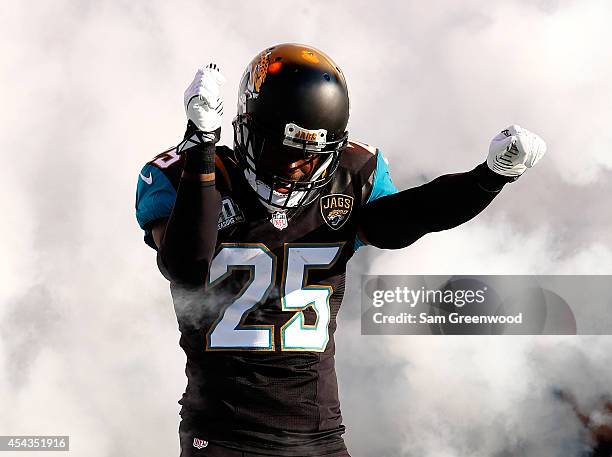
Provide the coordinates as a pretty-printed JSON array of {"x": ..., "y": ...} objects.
[
  {"x": 383, "y": 185},
  {"x": 155, "y": 197}
]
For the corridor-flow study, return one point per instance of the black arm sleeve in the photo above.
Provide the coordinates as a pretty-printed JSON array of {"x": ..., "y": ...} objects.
[
  {"x": 188, "y": 245},
  {"x": 398, "y": 220}
]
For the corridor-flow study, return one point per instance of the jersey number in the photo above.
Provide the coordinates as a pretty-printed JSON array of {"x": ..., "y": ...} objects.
[
  {"x": 228, "y": 332},
  {"x": 166, "y": 158}
]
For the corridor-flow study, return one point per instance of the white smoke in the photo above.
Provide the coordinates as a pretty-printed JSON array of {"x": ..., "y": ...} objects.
[{"x": 90, "y": 91}]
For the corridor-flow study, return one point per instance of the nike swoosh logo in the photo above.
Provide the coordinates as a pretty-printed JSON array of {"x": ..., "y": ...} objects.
[{"x": 147, "y": 179}]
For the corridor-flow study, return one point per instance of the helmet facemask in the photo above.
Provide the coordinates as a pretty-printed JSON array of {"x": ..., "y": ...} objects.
[{"x": 255, "y": 146}]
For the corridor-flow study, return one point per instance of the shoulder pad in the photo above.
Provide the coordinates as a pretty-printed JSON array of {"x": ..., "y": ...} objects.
[
  {"x": 356, "y": 155},
  {"x": 356, "y": 170},
  {"x": 171, "y": 164},
  {"x": 358, "y": 144}
]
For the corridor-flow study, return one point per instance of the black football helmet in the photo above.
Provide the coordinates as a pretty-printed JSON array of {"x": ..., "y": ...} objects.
[{"x": 293, "y": 107}]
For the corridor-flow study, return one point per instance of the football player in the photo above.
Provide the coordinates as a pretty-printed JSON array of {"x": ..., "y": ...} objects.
[{"x": 255, "y": 240}]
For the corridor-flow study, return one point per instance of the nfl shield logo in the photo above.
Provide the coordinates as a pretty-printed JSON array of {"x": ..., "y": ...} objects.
[
  {"x": 279, "y": 220},
  {"x": 199, "y": 444}
]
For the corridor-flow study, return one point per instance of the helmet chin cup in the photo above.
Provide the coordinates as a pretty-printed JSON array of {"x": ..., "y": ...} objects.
[{"x": 272, "y": 200}]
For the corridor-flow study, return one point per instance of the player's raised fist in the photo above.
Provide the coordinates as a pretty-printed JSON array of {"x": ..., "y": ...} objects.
[
  {"x": 514, "y": 150},
  {"x": 203, "y": 99}
]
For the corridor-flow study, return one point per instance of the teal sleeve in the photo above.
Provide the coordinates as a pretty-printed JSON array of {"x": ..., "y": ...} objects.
[
  {"x": 383, "y": 185},
  {"x": 155, "y": 197}
]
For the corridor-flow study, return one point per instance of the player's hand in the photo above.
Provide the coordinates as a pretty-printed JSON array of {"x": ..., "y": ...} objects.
[
  {"x": 204, "y": 109},
  {"x": 203, "y": 99},
  {"x": 514, "y": 150}
]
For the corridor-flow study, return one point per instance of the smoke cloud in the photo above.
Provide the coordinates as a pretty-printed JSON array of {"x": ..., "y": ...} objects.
[{"x": 92, "y": 90}]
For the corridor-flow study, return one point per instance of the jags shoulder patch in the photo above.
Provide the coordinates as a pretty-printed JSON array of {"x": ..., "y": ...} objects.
[{"x": 336, "y": 209}]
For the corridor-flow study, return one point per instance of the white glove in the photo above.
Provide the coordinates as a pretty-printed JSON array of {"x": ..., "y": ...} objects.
[
  {"x": 514, "y": 150},
  {"x": 203, "y": 99}
]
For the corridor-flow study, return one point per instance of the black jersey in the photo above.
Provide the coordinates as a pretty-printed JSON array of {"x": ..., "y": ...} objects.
[{"x": 259, "y": 333}]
